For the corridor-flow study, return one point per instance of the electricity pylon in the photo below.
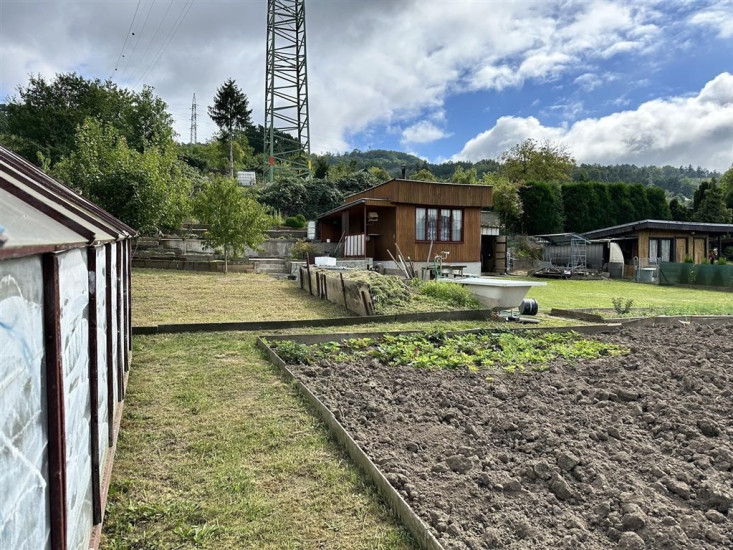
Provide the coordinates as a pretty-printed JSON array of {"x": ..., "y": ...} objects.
[
  {"x": 287, "y": 134},
  {"x": 193, "y": 120}
]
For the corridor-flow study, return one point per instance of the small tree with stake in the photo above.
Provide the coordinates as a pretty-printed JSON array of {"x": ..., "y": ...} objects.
[
  {"x": 235, "y": 219},
  {"x": 230, "y": 112}
]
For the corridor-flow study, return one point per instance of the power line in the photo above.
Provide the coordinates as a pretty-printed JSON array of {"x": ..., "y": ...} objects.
[
  {"x": 170, "y": 36},
  {"x": 137, "y": 37},
  {"x": 127, "y": 36},
  {"x": 157, "y": 31}
]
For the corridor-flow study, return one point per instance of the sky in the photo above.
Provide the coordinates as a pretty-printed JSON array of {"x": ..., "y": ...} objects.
[{"x": 614, "y": 81}]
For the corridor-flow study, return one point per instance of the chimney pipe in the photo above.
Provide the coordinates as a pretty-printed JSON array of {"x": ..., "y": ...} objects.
[{"x": 404, "y": 171}]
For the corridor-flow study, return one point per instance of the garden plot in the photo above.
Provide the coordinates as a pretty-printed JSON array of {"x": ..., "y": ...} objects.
[{"x": 551, "y": 449}]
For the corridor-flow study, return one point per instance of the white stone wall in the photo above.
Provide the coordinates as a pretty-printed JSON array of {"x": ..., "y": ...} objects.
[
  {"x": 24, "y": 516},
  {"x": 74, "y": 298}
]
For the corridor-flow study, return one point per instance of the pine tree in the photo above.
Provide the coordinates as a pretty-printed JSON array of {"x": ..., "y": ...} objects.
[{"x": 230, "y": 112}]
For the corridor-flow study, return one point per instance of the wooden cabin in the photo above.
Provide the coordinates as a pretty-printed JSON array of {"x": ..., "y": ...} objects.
[
  {"x": 668, "y": 241},
  {"x": 423, "y": 219}
]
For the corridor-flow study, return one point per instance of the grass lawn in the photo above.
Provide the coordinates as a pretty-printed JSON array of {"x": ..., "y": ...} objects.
[
  {"x": 656, "y": 300},
  {"x": 217, "y": 451},
  {"x": 163, "y": 296}
]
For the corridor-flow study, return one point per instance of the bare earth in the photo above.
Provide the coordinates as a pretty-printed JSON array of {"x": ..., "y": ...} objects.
[{"x": 629, "y": 452}]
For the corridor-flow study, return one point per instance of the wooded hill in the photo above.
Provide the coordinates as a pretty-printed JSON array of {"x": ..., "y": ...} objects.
[{"x": 675, "y": 181}]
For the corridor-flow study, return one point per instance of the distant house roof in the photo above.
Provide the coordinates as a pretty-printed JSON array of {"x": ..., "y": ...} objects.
[
  {"x": 37, "y": 213},
  {"x": 665, "y": 225},
  {"x": 562, "y": 238}
]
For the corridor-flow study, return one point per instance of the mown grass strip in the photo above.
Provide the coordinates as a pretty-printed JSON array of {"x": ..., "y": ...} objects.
[{"x": 217, "y": 451}]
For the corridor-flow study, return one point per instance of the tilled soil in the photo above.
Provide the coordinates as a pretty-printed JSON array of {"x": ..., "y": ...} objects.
[{"x": 630, "y": 452}]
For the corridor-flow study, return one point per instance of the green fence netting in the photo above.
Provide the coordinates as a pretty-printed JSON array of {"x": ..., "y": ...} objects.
[{"x": 696, "y": 274}]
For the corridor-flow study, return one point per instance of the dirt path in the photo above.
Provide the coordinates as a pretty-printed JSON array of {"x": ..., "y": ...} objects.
[{"x": 628, "y": 452}]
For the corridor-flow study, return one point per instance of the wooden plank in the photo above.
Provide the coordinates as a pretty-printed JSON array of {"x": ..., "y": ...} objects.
[
  {"x": 94, "y": 385},
  {"x": 55, "y": 402}
]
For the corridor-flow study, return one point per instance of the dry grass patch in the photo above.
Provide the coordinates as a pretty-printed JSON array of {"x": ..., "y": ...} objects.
[
  {"x": 218, "y": 452},
  {"x": 163, "y": 296}
]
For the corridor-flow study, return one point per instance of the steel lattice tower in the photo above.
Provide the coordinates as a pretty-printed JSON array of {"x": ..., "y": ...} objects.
[
  {"x": 193, "y": 120},
  {"x": 286, "y": 88}
]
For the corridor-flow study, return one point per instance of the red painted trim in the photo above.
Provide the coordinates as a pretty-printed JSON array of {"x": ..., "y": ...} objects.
[{"x": 55, "y": 402}]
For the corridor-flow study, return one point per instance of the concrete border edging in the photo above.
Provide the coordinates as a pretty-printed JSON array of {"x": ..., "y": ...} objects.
[{"x": 425, "y": 539}]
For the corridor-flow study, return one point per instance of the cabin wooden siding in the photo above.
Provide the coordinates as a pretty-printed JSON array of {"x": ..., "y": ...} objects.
[
  {"x": 469, "y": 250},
  {"x": 429, "y": 194},
  {"x": 683, "y": 244}
]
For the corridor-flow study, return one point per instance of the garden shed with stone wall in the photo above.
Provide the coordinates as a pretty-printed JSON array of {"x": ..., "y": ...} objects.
[{"x": 64, "y": 352}]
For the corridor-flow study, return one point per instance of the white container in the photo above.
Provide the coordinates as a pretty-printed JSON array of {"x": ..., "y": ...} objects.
[
  {"x": 325, "y": 261},
  {"x": 495, "y": 293}
]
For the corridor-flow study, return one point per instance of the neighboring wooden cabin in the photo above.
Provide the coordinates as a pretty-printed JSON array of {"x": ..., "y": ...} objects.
[
  {"x": 423, "y": 218},
  {"x": 65, "y": 336},
  {"x": 668, "y": 241}
]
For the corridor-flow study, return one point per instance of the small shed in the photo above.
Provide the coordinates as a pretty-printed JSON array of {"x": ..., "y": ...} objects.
[
  {"x": 423, "y": 219},
  {"x": 65, "y": 335},
  {"x": 663, "y": 240}
]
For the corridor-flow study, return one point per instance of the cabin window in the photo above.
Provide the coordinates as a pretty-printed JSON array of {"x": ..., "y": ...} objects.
[
  {"x": 438, "y": 224},
  {"x": 660, "y": 248}
]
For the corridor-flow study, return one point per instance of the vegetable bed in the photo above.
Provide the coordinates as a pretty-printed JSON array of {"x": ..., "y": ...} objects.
[{"x": 621, "y": 439}]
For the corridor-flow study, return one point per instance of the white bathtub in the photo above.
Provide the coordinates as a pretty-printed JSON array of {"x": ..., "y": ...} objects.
[{"x": 496, "y": 293}]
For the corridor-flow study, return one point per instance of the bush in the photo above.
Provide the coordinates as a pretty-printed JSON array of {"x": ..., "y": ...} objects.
[
  {"x": 722, "y": 260},
  {"x": 451, "y": 293},
  {"x": 302, "y": 249},
  {"x": 296, "y": 222}
]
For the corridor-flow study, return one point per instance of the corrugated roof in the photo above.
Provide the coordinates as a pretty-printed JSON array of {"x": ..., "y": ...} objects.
[{"x": 37, "y": 211}]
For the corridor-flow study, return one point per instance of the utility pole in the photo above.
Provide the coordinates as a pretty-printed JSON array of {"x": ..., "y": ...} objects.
[
  {"x": 193, "y": 120},
  {"x": 286, "y": 89}
]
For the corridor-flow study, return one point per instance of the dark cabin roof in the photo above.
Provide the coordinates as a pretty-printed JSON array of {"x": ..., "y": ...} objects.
[{"x": 628, "y": 229}]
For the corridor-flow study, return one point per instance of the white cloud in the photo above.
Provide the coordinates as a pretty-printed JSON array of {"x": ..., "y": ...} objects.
[
  {"x": 422, "y": 132},
  {"x": 371, "y": 64},
  {"x": 676, "y": 131},
  {"x": 719, "y": 17}
]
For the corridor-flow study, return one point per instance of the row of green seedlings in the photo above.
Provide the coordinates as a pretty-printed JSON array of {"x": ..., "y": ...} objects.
[{"x": 509, "y": 351}]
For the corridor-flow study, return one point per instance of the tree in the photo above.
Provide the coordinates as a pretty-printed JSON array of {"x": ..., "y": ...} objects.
[
  {"x": 711, "y": 206},
  {"x": 379, "y": 173},
  {"x": 293, "y": 195},
  {"x": 506, "y": 199},
  {"x": 424, "y": 175},
  {"x": 235, "y": 219},
  {"x": 230, "y": 112},
  {"x": 543, "y": 208},
  {"x": 532, "y": 161},
  {"x": 46, "y": 114},
  {"x": 726, "y": 186},
  {"x": 464, "y": 176},
  {"x": 678, "y": 211},
  {"x": 321, "y": 170},
  {"x": 148, "y": 190}
]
